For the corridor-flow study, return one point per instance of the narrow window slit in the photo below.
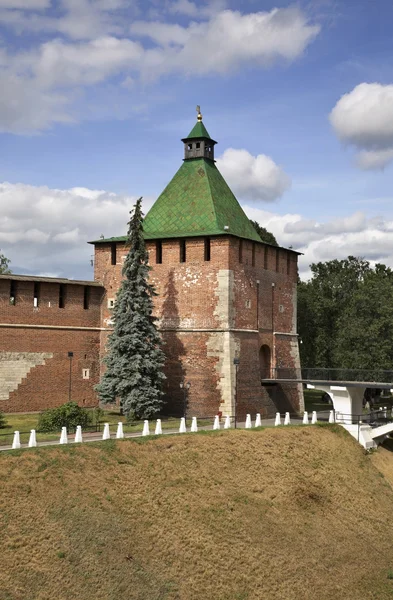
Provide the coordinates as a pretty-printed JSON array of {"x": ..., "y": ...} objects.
[
  {"x": 36, "y": 299},
  {"x": 13, "y": 292},
  {"x": 86, "y": 297},
  {"x": 113, "y": 254},
  {"x": 207, "y": 249},
  {"x": 62, "y": 292},
  {"x": 158, "y": 252},
  {"x": 182, "y": 251}
]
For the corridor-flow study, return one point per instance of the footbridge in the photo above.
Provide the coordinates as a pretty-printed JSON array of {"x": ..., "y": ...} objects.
[{"x": 346, "y": 389}]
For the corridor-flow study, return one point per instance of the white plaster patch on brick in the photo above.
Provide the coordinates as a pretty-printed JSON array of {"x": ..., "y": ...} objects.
[
  {"x": 225, "y": 294},
  {"x": 225, "y": 346},
  {"x": 294, "y": 347},
  {"x": 15, "y": 366},
  {"x": 189, "y": 277},
  {"x": 294, "y": 309}
]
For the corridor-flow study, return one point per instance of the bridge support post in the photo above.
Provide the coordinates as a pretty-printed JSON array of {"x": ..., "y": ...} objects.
[{"x": 347, "y": 401}]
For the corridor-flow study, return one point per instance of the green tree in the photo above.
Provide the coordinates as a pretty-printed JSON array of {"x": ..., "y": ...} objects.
[
  {"x": 4, "y": 262},
  {"x": 345, "y": 315},
  {"x": 67, "y": 415},
  {"x": 134, "y": 359},
  {"x": 365, "y": 325},
  {"x": 264, "y": 234}
]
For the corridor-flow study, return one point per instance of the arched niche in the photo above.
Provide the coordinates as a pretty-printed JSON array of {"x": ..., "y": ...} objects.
[{"x": 265, "y": 362}]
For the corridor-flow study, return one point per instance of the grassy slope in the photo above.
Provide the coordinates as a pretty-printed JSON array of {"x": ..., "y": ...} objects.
[{"x": 294, "y": 513}]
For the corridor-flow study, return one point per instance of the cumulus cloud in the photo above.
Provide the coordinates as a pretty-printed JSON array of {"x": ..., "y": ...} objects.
[
  {"x": 46, "y": 230},
  {"x": 254, "y": 177},
  {"x": 94, "y": 44},
  {"x": 191, "y": 9},
  {"x": 364, "y": 119},
  {"x": 355, "y": 235},
  {"x": 230, "y": 38}
]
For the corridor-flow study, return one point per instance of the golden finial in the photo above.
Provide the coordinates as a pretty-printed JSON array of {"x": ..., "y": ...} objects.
[{"x": 198, "y": 109}]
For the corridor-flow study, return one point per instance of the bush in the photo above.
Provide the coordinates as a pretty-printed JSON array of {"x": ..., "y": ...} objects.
[
  {"x": 67, "y": 415},
  {"x": 3, "y": 422}
]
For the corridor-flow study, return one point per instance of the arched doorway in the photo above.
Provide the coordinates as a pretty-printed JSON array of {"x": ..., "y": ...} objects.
[{"x": 265, "y": 358}]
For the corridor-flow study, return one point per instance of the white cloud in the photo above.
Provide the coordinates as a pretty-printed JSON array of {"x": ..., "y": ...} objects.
[
  {"x": 46, "y": 230},
  {"x": 191, "y": 9},
  {"x": 230, "y": 39},
  {"x": 42, "y": 85},
  {"x": 254, "y": 177},
  {"x": 374, "y": 159},
  {"x": 25, "y": 4},
  {"x": 364, "y": 119},
  {"x": 354, "y": 235}
]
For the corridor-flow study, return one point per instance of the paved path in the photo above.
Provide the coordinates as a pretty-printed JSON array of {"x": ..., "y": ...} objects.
[{"x": 97, "y": 436}]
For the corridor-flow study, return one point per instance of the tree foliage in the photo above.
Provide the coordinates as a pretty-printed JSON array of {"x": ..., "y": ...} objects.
[
  {"x": 68, "y": 415},
  {"x": 345, "y": 315},
  {"x": 264, "y": 234},
  {"x": 134, "y": 358},
  {"x": 4, "y": 265}
]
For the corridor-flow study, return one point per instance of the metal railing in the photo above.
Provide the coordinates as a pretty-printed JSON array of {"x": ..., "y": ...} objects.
[{"x": 322, "y": 374}]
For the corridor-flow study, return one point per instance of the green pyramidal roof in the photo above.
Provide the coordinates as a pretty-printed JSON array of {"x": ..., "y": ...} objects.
[
  {"x": 197, "y": 201},
  {"x": 198, "y": 131}
]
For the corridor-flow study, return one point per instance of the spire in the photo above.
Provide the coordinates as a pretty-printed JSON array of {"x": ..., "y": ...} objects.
[{"x": 198, "y": 143}]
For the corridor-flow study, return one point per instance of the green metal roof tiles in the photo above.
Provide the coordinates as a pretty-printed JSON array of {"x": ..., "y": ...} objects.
[
  {"x": 197, "y": 201},
  {"x": 198, "y": 131}
]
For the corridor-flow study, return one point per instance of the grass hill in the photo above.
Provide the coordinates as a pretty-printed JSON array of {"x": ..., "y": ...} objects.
[{"x": 282, "y": 513}]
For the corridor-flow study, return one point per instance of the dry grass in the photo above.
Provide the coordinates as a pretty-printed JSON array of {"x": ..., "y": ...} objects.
[{"x": 289, "y": 513}]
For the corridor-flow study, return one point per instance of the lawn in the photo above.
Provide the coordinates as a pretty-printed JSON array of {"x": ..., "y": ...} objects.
[
  {"x": 24, "y": 422},
  {"x": 313, "y": 401}
]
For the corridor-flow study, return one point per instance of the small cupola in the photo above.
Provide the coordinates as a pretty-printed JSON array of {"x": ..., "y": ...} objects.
[{"x": 199, "y": 144}]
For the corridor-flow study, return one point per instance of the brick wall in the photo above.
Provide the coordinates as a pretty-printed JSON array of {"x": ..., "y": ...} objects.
[
  {"x": 28, "y": 332},
  {"x": 212, "y": 311}
]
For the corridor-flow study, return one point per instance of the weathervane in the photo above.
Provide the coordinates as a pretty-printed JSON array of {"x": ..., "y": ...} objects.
[{"x": 198, "y": 109}]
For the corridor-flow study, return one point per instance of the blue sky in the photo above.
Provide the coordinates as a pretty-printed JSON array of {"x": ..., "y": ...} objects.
[{"x": 96, "y": 95}]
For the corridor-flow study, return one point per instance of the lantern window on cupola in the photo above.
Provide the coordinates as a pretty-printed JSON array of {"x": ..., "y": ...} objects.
[{"x": 198, "y": 144}]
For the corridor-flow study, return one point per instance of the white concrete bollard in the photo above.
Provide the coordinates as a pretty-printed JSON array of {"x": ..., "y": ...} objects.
[
  {"x": 146, "y": 430},
  {"x": 248, "y": 422},
  {"x": 385, "y": 412},
  {"x": 287, "y": 420},
  {"x": 194, "y": 425},
  {"x": 305, "y": 418},
  {"x": 182, "y": 427},
  {"x": 106, "y": 434},
  {"x": 158, "y": 429},
  {"x": 32, "y": 439},
  {"x": 278, "y": 419},
  {"x": 227, "y": 422},
  {"x": 63, "y": 436},
  {"x": 216, "y": 424},
  {"x": 78, "y": 435},
  {"x": 119, "y": 432},
  {"x": 331, "y": 416},
  {"x": 16, "y": 441},
  {"x": 314, "y": 417},
  {"x": 258, "y": 421}
]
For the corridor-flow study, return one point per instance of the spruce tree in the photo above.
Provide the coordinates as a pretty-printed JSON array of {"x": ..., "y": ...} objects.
[{"x": 134, "y": 357}]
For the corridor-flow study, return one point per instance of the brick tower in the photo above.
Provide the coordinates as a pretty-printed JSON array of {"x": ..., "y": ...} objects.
[{"x": 227, "y": 300}]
